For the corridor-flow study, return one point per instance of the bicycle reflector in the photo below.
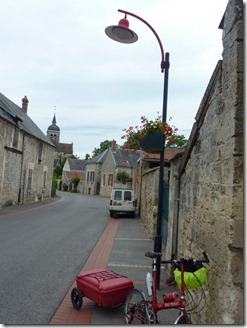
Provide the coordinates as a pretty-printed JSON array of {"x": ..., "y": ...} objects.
[{"x": 192, "y": 279}]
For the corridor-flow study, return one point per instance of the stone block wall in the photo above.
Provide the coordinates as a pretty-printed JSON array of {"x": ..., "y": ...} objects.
[
  {"x": 15, "y": 161},
  {"x": 107, "y": 168},
  {"x": 211, "y": 182},
  {"x": 149, "y": 200}
]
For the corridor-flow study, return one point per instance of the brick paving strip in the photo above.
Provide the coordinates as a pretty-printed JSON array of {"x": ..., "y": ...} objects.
[{"x": 98, "y": 259}]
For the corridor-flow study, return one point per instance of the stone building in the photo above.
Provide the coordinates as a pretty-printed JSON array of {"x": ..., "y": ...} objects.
[
  {"x": 63, "y": 149},
  {"x": 117, "y": 160},
  {"x": 93, "y": 174},
  {"x": 26, "y": 156},
  {"x": 74, "y": 168},
  {"x": 206, "y": 194}
]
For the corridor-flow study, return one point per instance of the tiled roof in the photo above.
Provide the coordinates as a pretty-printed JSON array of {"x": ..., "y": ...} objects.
[
  {"x": 77, "y": 164},
  {"x": 99, "y": 158},
  {"x": 124, "y": 157},
  {"x": 14, "y": 114},
  {"x": 64, "y": 148},
  {"x": 170, "y": 152},
  {"x": 71, "y": 175}
]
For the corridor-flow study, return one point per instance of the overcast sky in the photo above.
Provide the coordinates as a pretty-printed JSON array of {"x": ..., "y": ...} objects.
[{"x": 56, "y": 53}]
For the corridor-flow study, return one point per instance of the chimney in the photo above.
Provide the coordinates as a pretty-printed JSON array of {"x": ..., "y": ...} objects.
[
  {"x": 113, "y": 145},
  {"x": 24, "y": 104}
]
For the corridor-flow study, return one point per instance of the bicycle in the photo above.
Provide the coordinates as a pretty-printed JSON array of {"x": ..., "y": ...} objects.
[{"x": 138, "y": 309}]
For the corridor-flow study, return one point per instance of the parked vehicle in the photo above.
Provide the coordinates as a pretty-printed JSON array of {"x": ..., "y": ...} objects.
[{"x": 122, "y": 201}]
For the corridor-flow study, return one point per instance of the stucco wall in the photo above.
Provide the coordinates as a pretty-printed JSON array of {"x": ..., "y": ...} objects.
[{"x": 211, "y": 182}]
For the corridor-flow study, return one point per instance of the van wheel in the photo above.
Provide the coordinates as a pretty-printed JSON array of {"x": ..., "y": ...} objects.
[{"x": 111, "y": 215}]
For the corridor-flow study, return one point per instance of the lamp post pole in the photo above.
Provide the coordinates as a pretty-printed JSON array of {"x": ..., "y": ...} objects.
[
  {"x": 158, "y": 237},
  {"x": 123, "y": 34}
]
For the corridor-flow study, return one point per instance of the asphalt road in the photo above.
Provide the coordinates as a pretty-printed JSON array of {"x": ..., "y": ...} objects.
[{"x": 42, "y": 249}]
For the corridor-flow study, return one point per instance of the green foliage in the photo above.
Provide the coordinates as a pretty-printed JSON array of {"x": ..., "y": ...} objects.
[
  {"x": 58, "y": 170},
  {"x": 54, "y": 184},
  {"x": 123, "y": 177},
  {"x": 103, "y": 146},
  {"x": 87, "y": 156},
  {"x": 75, "y": 182},
  {"x": 65, "y": 187},
  {"x": 133, "y": 134},
  {"x": 177, "y": 141}
]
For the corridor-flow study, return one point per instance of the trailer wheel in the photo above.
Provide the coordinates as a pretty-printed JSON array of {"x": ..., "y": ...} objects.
[{"x": 76, "y": 298}]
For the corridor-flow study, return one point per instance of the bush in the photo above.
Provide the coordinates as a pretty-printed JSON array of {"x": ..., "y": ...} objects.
[
  {"x": 65, "y": 187},
  {"x": 123, "y": 177},
  {"x": 75, "y": 181}
]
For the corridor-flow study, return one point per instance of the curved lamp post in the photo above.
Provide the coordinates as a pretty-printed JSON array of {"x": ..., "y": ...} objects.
[{"x": 123, "y": 34}]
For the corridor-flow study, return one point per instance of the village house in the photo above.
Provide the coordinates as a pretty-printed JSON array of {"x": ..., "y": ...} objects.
[
  {"x": 74, "y": 168},
  {"x": 93, "y": 174},
  {"x": 26, "y": 156},
  {"x": 117, "y": 160}
]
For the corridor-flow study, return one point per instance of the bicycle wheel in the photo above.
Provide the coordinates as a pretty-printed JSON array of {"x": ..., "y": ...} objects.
[
  {"x": 135, "y": 307},
  {"x": 181, "y": 320}
]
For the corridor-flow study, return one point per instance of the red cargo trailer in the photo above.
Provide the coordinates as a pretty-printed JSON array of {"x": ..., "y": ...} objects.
[{"x": 105, "y": 287}]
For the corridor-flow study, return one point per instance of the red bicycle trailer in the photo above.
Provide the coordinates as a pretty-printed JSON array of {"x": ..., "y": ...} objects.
[{"x": 105, "y": 287}]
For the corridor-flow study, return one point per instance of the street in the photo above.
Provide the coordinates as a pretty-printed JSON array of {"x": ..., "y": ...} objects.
[{"x": 43, "y": 248}]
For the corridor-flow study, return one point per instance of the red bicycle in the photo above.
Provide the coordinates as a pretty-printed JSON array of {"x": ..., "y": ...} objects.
[{"x": 140, "y": 310}]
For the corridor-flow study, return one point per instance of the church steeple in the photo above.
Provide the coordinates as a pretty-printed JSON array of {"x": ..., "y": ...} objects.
[
  {"x": 53, "y": 131},
  {"x": 54, "y": 120}
]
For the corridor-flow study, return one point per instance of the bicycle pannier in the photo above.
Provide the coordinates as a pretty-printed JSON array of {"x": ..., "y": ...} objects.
[{"x": 195, "y": 275}]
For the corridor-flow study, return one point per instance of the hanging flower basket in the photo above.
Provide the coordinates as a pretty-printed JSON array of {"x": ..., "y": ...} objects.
[{"x": 152, "y": 142}]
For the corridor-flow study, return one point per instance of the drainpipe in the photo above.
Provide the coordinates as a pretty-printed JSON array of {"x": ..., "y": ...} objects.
[
  {"x": 175, "y": 216},
  {"x": 22, "y": 174}
]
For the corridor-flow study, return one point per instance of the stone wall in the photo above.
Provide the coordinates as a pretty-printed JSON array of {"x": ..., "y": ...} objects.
[
  {"x": 149, "y": 200},
  {"x": 108, "y": 167},
  {"x": 15, "y": 162},
  {"x": 211, "y": 183}
]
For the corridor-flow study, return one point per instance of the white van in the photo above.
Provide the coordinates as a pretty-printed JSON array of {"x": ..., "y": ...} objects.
[{"x": 122, "y": 201}]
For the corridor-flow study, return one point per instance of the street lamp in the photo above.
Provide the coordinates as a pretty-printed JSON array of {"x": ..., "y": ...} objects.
[{"x": 123, "y": 34}]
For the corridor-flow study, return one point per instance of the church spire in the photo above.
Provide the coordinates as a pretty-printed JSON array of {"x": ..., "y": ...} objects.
[{"x": 53, "y": 131}]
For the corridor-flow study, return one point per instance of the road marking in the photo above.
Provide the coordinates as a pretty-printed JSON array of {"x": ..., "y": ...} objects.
[
  {"x": 129, "y": 265},
  {"x": 140, "y": 239}
]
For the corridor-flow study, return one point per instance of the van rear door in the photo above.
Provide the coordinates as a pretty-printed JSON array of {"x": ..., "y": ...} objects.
[{"x": 122, "y": 202}]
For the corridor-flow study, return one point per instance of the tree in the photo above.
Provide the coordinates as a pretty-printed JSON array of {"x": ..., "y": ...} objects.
[
  {"x": 177, "y": 141},
  {"x": 58, "y": 170},
  {"x": 123, "y": 177},
  {"x": 103, "y": 146}
]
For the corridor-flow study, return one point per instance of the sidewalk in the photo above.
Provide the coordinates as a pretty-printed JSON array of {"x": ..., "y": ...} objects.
[{"x": 121, "y": 248}]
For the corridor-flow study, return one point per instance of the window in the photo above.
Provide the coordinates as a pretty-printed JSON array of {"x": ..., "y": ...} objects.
[
  {"x": 127, "y": 195},
  {"x": 40, "y": 149},
  {"x": 118, "y": 195},
  {"x": 44, "y": 179},
  {"x": 103, "y": 179},
  {"x": 90, "y": 176},
  {"x": 29, "y": 179},
  {"x": 110, "y": 179},
  {"x": 15, "y": 138}
]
